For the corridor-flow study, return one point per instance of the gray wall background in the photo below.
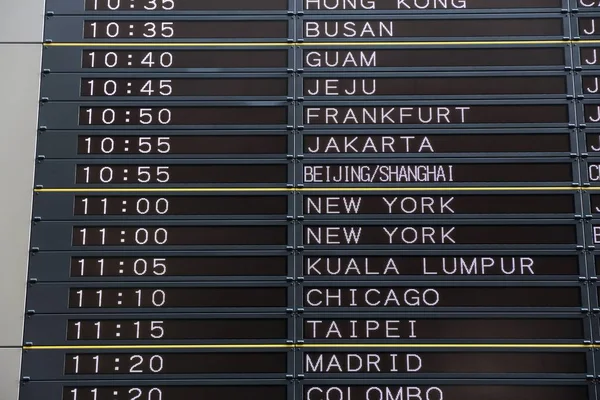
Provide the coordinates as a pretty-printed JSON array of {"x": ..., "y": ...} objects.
[{"x": 21, "y": 26}]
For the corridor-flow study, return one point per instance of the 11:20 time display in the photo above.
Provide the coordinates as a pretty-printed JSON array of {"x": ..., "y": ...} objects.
[{"x": 98, "y": 393}]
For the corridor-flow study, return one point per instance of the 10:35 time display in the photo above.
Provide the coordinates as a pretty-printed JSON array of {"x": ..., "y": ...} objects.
[{"x": 134, "y": 5}]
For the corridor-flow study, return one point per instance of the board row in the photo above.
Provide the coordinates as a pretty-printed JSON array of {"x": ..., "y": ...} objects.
[
  {"x": 299, "y": 57},
  {"x": 328, "y": 234},
  {"x": 314, "y": 206},
  {"x": 314, "y": 266},
  {"x": 153, "y": 7},
  {"x": 337, "y": 173},
  {"x": 309, "y": 389},
  {"x": 319, "y": 115},
  {"x": 122, "y": 145},
  {"x": 312, "y": 297},
  {"x": 316, "y": 363},
  {"x": 319, "y": 86},
  {"x": 257, "y": 29},
  {"x": 164, "y": 329}
]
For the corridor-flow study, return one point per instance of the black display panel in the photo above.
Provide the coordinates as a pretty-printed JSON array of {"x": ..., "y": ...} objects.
[
  {"x": 593, "y": 172},
  {"x": 370, "y": 58},
  {"x": 595, "y": 203},
  {"x": 416, "y": 328},
  {"x": 167, "y": 265},
  {"x": 160, "y": 329},
  {"x": 360, "y": 29},
  {"x": 590, "y": 85},
  {"x": 181, "y": 115},
  {"x": 167, "y": 205},
  {"x": 167, "y": 272},
  {"x": 313, "y": 389},
  {"x": 415, "y": 86},
  {"x": 390, "y": 235},
  {"x": 485, "y": 362},
  {"x": 587, "y": 5},
  {"x": 591, "y": 113},
  {"x": 165, "y": 59},
  {"x": 185, "y": 5},
  {"x": 430, "y": 115},
  {"x": 368, "y": 172},
  {"x": 394, "y": 204},
  {"x": 431, "y": 297},
  {"x": 378, "y": 266},
  {"x": 166, "y": 174},
  {"x": 419, "y": 6},
  {"x": 164, "y": 145},
  {"x": 595, "y": 233},
  {"x": 132, "y": 87},
  {"x": 588, "y": 26},
  {"x": 495, "y": 391},
  {"x": 101, "y": 392},
  {"x": 589, "y": 57},
  {"x": 158, "y": 30},
  {"x": 148, "y": 298},
  {"x": 177, "y": 297},
  {"x": 174, "y": 363},
  {"x": 178, "y": 235},
  {"x": 593, "y": 142}
]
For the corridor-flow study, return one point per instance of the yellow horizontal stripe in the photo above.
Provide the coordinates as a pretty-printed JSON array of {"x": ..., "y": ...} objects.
[
  {"x": 319, "y": 345},
  {"x": 319, "y": 189},
  {"x": 288, "y": 44}
]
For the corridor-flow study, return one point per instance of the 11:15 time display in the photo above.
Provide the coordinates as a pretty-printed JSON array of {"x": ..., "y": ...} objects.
[{"x": 121, "y": 329}]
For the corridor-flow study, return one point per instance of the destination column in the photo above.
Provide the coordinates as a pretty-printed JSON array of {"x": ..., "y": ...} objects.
[
  {"x": 161, "y": 241},
  {"x": 441, "y": 216}
]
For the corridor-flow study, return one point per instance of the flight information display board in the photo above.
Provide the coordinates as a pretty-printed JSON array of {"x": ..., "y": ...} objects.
[{"x": 316, "y": 200}]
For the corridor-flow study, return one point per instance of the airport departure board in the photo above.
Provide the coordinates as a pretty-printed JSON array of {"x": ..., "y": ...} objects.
[{"x": 316, "y": 200}]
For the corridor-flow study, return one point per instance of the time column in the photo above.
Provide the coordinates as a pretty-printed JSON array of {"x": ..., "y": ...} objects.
[{"x": 162, "y": 231}]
